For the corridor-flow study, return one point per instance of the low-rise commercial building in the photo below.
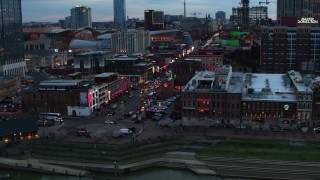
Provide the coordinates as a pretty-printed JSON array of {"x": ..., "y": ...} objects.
[
  {"x": 73, "y": 97},
  {"x": 10, "y": 85},
  {"x": 213, "y": 95}
]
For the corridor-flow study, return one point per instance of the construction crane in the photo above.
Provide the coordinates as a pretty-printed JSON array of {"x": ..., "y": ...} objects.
[{"x": 195, "y": 14}]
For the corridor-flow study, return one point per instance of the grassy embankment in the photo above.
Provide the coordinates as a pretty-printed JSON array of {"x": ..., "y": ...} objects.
[{"x": 265, "y": 149}]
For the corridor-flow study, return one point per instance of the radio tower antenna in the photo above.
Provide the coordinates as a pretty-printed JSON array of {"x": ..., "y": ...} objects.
[{"x": 185, "y": 12}]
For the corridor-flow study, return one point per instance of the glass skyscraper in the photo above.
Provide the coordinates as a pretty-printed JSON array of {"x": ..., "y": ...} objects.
[
  {"x": 119, "y": 13},
  {"x": 11, "y": 38},
  {"x": 81, "y": 17}
]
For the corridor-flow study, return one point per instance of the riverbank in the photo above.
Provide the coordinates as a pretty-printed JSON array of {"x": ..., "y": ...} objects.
[{"x": 187, "y": 153}]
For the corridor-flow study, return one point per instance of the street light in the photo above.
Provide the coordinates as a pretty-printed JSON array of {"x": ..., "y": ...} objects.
[{"x": 116, "y": 168}]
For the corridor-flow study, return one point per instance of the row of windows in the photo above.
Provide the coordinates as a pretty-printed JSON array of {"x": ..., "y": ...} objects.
[
  {"x": 304, "y": 106},
  {"x": 214, "y": 105},
  {"x": 213, "y": 96},
  {"x": 61, "y": 96},
  {"x": 305, "y": 97},
  {"x": 265, "y": 106},
  {"x": 213, "y": 113}
]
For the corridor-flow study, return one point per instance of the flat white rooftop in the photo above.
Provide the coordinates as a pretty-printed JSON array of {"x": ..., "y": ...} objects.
[
  {"x": 106, "y": 74},
  {"x": 268, "y": 87},
  {"x": 60, "y": 82}
]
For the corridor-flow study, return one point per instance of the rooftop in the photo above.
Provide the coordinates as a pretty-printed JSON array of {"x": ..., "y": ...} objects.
[
  {"x": 268, "y": 87},
  {"x": 107, "y": 74},
  {"x": 60, "y": 82},
  {"x": 93, "y": 53},
  {"x": 301, "y": 84},
  {"x": 122, "y": 58}
]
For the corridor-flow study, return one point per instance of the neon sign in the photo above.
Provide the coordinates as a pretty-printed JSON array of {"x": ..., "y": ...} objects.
[{"x": 307, "y": 21}]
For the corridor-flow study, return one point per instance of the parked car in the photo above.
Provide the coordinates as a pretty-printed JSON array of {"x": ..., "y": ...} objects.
[
  {"x": 111, "y": 113},
  {"x": 84, "y": 132},
  {"x": 133, "y": 129},
  {"x": 108, "y": 122},
  {"x": 241, "y": 126},
  {"x": 316, "y": 130},
  {"x": 114, "y": 106}
]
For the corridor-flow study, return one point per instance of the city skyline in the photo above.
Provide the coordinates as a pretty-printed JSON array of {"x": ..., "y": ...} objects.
[{"x": 102, "y": 10}]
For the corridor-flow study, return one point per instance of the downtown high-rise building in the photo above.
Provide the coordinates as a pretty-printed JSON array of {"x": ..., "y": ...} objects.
[
  {"x": 154, "y": 20},
  {"x": 11, "y": 39},
  {"x": 80, "y": 17},
  {"x": 298, "y": 8},
  {"x": 119, "y": 13},
  {"x": 221, "y": 16}
]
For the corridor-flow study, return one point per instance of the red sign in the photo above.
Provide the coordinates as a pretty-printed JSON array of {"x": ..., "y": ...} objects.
[{"x": 89, "y": 97}]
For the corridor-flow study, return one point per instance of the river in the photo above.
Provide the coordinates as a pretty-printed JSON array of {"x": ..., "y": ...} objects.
[{"x": 147, "y": 174}]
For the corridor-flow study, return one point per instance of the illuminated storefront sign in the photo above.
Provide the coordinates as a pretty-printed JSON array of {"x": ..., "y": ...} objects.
[
  {"x": 286, "y": 107},
  {"x": 90, "y": 97},
  {"x": 307, "y": 21}
]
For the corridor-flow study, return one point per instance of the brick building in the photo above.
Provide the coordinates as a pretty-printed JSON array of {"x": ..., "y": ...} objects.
[
  {"x": 290, "y": 48},
  {"x": 213, "y": 95}
]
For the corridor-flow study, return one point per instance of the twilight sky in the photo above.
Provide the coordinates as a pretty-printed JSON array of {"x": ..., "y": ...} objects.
[{"x": 102, "y": 10}]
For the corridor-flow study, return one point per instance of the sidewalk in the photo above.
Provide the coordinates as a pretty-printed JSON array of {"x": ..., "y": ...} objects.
[{"x": 36, "y": 165}]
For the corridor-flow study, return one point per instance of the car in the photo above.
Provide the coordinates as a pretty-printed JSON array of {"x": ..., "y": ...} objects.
[
  {"x": 137, "y": 121},
  {"x": 108, "y": 122},
  {"x": 111, "y": 113},
  {"x": 316, "y": 130},
  {"x": 114, "y": 106},
  {"x": 84, "y": 132},
  {"x": 241, "y": 126},
  {"x": 132, "y": 129}
]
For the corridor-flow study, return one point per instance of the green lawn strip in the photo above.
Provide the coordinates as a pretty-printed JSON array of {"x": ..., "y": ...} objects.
[
  {"x": 125, "y": 155},
  {"x": 264, "y": 149},
  {"x": 260, "y": 165},
  {"x": 127, "y": 158},
  {"x": 121, "y": 151}
]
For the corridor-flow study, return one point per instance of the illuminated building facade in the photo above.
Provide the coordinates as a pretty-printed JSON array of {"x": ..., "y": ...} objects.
[
  {"x": 133, "y": 41},
  {"x": 277, "y": 99},
  {"x": 215, "y": 95},
  {"x": 73, "y": 97}
]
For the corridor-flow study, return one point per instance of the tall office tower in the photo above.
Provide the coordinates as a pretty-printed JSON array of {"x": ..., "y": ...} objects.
[
  {"x": 11, "y": 39},
  {"x": 154, "y": 20},
  {"x": 286, "y": 48},
  {"x": 119, "y": 13},
  {"x": 221, "y": 15},
  {"x": 81, "y": 17},
  {"x": 298, "y": 8}
]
